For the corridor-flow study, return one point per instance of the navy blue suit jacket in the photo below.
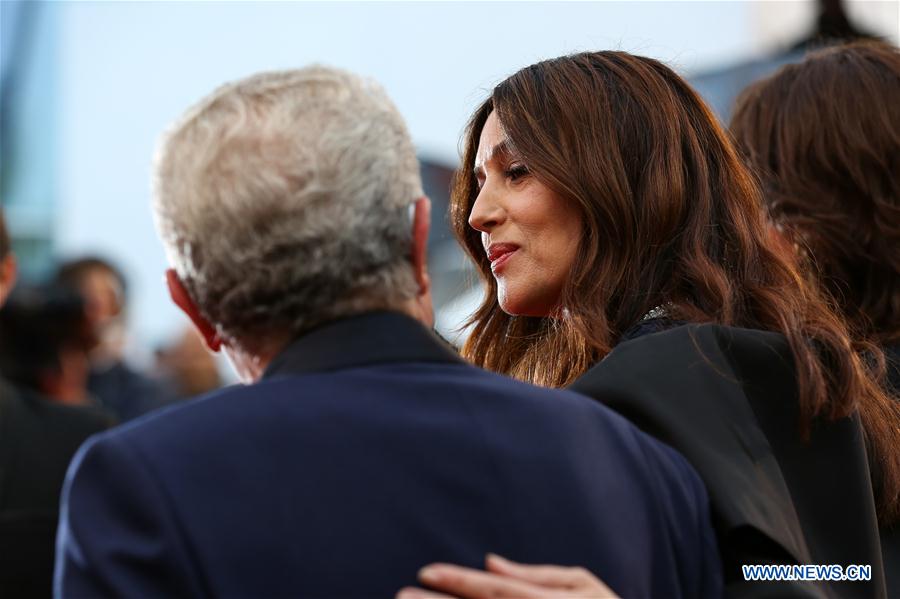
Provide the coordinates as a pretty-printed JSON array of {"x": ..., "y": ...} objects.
[{"x": 367, "y": 451}]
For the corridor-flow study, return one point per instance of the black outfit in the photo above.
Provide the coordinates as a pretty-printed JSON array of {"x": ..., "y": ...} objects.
[
  {"x": 37, "y": 441},
  {"x": 890, "y": 538},
  {"x": 726, "y": 399}
]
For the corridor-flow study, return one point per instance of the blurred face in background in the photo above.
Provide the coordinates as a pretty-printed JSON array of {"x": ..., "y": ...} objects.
[
  {"x": 188, "y": 364},
  {"x": 529, "y": 233},
  {"x": 104, "y": 305},
  {"x": 103, "y": 295}
]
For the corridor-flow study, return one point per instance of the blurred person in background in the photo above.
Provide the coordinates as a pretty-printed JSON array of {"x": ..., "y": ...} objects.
[
  {"x": 824, "y": 138},
  {"x": 721, "y": 87},
  {"x": 116, "y": 384},
  {"x": 187, "y": 365},
  {"x": 38, "y": 437},
  {"x": 45, "y": 338},
  {"x": 291, "y": 208}
]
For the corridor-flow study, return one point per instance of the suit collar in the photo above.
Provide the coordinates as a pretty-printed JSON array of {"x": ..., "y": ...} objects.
[{"x": 371, "y": 338}]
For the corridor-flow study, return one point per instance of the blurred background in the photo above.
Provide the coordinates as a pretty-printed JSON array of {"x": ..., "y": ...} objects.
[{"x": 86, "y": 88}]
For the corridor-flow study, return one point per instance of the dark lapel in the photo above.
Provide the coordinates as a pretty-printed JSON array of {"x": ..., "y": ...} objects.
[{"x": 372, "y": 338}]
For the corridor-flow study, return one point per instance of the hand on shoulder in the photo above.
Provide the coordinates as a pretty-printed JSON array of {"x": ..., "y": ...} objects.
[{"x": 504, "y": 578}]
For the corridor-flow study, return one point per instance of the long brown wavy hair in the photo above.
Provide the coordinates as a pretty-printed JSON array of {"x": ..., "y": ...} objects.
[
  {"x": 671, "y": 217},
  {"x": 824, "y": 137}
]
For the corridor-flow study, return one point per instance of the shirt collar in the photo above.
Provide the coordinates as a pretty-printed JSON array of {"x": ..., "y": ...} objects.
[{"x": 371, "y": 338}]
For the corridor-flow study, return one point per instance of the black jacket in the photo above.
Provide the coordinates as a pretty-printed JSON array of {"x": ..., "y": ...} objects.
[
  {"x": 890, "y": 538},
  {"x": 37, "y": 441},
  {"x": 726, "y": 398}
]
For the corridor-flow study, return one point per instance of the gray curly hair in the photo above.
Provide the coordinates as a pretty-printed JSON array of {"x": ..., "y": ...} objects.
[{"x": 283, "y": 201}]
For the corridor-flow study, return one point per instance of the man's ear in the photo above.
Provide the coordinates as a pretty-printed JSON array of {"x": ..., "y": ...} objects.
[
  {"x": 420, "y": 227},
  {"x": 8, "y": 273},
  {"x": 421, "y": 222},
  {"x": 181, "y": 298}
]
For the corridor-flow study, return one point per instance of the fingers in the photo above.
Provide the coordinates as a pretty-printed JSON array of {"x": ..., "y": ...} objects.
[
  {"x": 548, "y": 576},
  {"x": 475, "y": 584},
  {"x": 551, "y": 577},
  {"x": 416, "y": 593}
]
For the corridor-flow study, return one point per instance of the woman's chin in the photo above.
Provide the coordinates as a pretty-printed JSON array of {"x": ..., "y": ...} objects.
[{"x": 520, "y": 308}]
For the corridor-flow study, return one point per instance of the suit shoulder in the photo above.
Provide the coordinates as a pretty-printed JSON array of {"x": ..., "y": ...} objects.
[
  {"x": 191, "y": 412},
  {"x": 692, "y": 387}
]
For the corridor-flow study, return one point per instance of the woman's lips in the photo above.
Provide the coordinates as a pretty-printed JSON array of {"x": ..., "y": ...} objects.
[{"x": 499, "y": 254}]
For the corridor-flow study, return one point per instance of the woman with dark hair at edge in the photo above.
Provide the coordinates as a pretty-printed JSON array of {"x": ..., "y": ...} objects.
[
  {"x": 623, "y": 246},
  {"x": 824, "y": 138}
]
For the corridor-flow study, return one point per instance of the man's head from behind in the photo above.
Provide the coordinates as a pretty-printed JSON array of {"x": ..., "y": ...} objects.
[{"x": 284, "y": 201}]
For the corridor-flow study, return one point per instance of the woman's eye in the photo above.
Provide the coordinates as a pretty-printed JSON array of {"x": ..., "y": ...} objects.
[{"x": 516, "y": 172}]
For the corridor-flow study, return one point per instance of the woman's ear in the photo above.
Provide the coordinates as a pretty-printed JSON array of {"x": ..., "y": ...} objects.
[{"x": 181, "y": 298}]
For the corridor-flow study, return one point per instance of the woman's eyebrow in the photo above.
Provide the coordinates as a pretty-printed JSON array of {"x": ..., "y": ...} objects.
[{"x": 500, "y": 149}]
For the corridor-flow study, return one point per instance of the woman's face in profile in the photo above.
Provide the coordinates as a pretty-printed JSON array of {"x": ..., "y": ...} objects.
[{"x": 529, "y": 233}]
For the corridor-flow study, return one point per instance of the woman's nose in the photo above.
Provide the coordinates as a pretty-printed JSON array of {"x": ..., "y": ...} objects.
[{"x": 486, "y": 213}]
